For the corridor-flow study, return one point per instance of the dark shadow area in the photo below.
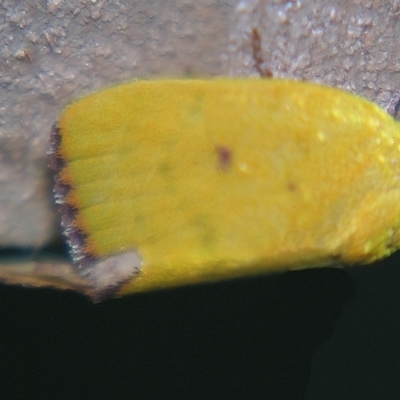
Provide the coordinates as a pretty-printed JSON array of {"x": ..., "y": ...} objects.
[
  {"x": 244, "y": 339},
  {"x": 361, "y": 360},
  {"x": 55, "y": 250}
]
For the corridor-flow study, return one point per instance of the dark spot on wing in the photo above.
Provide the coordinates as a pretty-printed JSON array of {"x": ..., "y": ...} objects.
[{"x": 224, "y": 157}]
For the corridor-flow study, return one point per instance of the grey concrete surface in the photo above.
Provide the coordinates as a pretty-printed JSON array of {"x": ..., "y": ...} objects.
[{"x": 348, "y": 44}]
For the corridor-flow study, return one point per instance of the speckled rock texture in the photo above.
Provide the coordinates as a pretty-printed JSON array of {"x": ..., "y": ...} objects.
[{"x": 351, "y": 45}]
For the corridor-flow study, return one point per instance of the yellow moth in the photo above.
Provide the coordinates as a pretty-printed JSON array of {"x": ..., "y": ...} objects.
[{"x": 171, "y": 182}]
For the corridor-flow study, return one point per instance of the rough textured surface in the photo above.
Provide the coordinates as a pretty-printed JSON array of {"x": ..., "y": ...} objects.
[
  {"x": 352, "y": 45},
  {"x": 54, "y": 51}
]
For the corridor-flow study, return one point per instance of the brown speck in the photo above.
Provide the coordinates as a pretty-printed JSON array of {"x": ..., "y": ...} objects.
[
  {"x": 292, "y": 187},
  {"x": 224, "y": 157},
  {"x": 24, "y": 54},
  {"x": 257, "y": 57}
]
